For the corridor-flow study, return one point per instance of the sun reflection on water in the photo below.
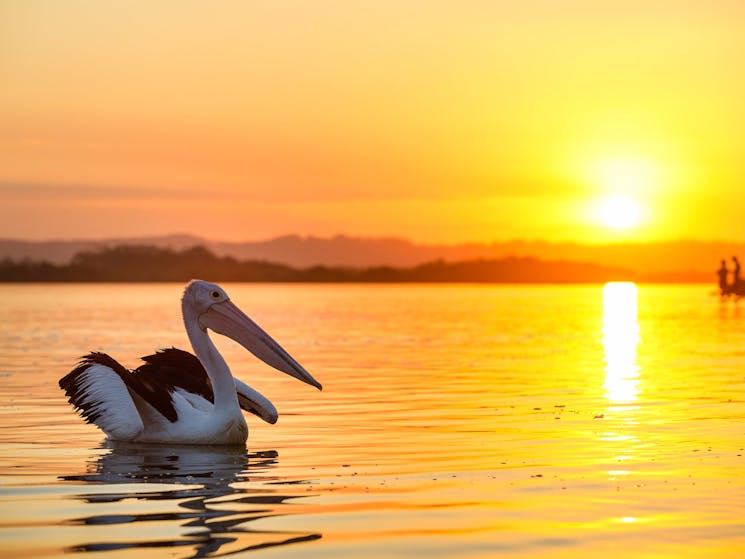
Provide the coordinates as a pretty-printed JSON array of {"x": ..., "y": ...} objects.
[{"x": 620, "y": 340}]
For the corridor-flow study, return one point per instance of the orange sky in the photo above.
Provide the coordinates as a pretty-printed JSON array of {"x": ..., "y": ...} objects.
[{"x": 437, "y": 121}]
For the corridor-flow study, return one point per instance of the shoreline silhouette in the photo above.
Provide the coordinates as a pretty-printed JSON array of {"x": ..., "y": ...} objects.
[{"x": 145, "y": 263}]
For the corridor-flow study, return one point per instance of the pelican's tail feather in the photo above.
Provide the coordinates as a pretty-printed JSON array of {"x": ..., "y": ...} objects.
[{"x": 97, "y": 389}]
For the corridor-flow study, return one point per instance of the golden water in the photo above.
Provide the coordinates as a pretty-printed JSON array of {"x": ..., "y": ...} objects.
[{"x": 455, "y": 421}]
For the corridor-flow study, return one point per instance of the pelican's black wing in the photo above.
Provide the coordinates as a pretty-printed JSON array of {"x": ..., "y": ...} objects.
[
  {"x": 105, "y": 392},
  {"x": 172, "y": 368},
  {"x": 75, "y": 384}
]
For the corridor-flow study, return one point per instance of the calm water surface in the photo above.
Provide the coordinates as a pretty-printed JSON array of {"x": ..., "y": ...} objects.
[{"x": 455, "y": 421}]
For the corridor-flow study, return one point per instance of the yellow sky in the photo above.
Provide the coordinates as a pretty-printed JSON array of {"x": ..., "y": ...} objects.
[{"x": 437, "y": 121}]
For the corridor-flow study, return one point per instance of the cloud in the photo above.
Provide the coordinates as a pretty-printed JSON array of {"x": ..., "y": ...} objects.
[{"x": 61, "y": 193}]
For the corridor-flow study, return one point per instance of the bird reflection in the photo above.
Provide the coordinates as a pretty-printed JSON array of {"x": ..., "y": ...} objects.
[
  {"x": 202, "y": 483},
  {"x": 620, "y": 340}
]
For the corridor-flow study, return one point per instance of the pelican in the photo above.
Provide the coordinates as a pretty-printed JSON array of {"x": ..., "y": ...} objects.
[{"x": 177, "y": 397}]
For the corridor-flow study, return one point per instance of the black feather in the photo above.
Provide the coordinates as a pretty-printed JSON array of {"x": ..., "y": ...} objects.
[{"x": 172, "y": 368}]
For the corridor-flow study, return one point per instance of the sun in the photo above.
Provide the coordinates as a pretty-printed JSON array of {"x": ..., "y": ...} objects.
[
  {"x": 619, "y": 212},
  {"x": 622, "y": 183}
]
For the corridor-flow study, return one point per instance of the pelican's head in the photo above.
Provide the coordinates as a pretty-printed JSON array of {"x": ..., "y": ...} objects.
[
  {"x": 200, "y": 295},
  {"x": 209, "y": 305}
]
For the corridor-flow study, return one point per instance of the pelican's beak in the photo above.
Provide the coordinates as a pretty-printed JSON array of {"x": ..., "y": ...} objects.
[{"x": 227, "y": 319}]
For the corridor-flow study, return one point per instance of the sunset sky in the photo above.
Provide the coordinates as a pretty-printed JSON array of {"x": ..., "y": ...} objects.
[{"x": 580, "y": 120}]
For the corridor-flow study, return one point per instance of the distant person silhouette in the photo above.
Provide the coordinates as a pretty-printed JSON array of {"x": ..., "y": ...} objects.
[
  {"x": 723, "y": 272},
  {"x": 736, "y": 273}
]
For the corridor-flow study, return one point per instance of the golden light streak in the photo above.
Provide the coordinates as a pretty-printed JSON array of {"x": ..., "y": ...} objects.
[{"x": 620, "y": 340}]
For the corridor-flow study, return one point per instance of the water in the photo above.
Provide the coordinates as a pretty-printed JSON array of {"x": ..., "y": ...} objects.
[{"x": 455, "y": 421}]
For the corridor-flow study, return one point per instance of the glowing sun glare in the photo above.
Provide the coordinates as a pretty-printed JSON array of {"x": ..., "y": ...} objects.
[{"x": 619, "y": 212}]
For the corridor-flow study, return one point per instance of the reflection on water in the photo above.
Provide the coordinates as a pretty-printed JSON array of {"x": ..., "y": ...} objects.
[
  {"x": 620, "y": 340},
  {"x": 204, "y": 484}
]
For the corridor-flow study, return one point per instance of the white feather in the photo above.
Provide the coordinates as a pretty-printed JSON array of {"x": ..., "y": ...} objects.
[
  {"x": 108, "y": 397},
  {"x": 194, "y": 400}
]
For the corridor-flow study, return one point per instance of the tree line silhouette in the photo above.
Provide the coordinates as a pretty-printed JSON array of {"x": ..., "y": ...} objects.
[{"x": 136, "y": 263}]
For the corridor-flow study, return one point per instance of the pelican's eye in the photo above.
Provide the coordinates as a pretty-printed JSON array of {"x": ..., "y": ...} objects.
[{"x": 216, "y": 295}]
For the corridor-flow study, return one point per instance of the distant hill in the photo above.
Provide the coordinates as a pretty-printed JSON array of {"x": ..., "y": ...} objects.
[
  {"x": 675, "y": 260},
  {"x": 149, "y": 263},
  {"x": 62, "y": 252}
]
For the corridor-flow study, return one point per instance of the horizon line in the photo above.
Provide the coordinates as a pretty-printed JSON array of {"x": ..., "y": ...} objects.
[{"x": 360, "y": 237}]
